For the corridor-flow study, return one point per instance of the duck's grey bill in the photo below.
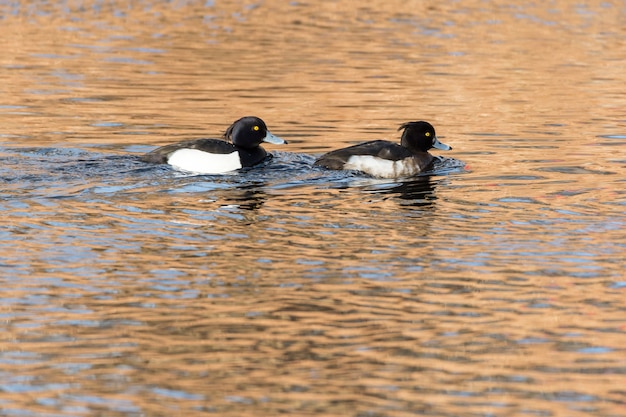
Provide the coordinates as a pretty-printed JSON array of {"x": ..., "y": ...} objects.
[
  {"x": 442, "y": 146},
  {"x": 269, "y": 138}
]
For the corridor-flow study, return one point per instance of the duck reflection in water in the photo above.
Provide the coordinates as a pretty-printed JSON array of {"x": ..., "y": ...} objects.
[
  {"x": 249, "y": 196},
  {"x": 415, "y": 192}
]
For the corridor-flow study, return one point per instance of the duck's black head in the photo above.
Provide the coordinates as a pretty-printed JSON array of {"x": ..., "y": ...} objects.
[
  {"x": 420, "y": 137},
  {"x": 249, "y": 132}
]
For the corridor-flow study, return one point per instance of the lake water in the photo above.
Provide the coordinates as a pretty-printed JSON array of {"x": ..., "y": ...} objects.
[{"x": 493, "y": 287}]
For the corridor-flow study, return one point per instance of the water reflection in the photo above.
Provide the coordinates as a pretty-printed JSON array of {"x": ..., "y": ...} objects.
[
  {"x": 417, "y": 192},
  {"x": 250, "y": 196}
]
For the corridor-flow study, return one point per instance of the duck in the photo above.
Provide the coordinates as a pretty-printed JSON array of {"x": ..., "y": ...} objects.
[
  {"x": 385, "y": 159},
  {"x": 217, "y": 156}
]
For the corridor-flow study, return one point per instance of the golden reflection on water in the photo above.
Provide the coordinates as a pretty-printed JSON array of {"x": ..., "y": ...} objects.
[{"x": 492, "y": 291}]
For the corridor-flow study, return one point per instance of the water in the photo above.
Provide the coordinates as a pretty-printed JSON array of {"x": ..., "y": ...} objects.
[{"x": 492, "y": 287}]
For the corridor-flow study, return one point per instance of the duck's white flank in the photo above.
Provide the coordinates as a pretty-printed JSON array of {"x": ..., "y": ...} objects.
[
  {"x": 194, "y": 160},
  {"x": 383, "y": 168}
]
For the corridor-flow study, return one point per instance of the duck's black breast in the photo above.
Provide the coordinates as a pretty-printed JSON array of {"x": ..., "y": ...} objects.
[
  {"x": 252, "y": 157},
  {"x": 378, "y": 148}
]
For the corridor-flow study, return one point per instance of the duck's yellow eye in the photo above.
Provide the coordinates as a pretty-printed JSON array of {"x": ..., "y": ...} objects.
[
  {"x": 427, "y": 134},
  {"x": 255, "y": 128}
]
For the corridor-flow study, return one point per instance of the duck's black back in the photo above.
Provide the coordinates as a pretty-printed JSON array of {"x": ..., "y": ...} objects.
[
  {"x": 215, "y": 146},
  {"x": 378, "y": 148}
]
